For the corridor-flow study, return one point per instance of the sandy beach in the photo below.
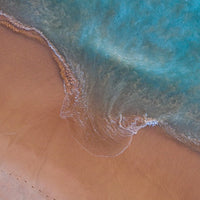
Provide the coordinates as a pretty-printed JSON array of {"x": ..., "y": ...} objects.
[{"x": 39, "y": 158}]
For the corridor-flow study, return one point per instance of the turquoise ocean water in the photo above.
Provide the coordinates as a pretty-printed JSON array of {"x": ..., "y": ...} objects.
[{"x": 136, "y": 63}]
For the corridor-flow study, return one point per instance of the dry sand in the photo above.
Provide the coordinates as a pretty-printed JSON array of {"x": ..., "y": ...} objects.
[{"x": 39, "y": 159}]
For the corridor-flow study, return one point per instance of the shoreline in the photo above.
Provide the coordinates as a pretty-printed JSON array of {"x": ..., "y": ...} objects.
[
  {"x": 37, "y": 146},
  {"x": 70, "y": 83},
  {"x": 16, "y": 26}
]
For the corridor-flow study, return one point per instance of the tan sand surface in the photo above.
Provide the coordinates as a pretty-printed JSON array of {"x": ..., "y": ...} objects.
[{"x": 39, "y": 159}]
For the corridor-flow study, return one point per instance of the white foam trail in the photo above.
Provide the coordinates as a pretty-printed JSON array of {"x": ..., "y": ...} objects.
[{"x": 133, "y": 128}]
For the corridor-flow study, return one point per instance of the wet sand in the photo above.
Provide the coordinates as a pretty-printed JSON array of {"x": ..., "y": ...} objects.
[{"x": 39, "y": 158}]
